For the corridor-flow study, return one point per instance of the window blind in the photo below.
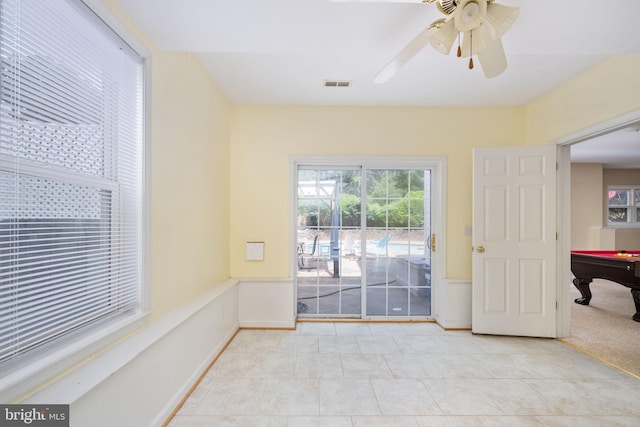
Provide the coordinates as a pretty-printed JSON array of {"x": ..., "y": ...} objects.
[{"x": 71, "y": 176}]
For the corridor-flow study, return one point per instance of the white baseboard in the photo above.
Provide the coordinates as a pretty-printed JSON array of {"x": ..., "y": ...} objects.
[
  {"x": 454, "y": 304},
  {"x": 268, "y": 325}
]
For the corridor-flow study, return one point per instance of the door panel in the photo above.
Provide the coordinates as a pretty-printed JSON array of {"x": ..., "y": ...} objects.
[
  {"x": 514, "y": 256},
  {"x": 531, "y": 290},
  {"x": 496, "y": 197},
  {"x": 495, "y": 298}
]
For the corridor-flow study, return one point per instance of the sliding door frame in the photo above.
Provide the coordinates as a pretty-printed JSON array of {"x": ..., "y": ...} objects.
[{"x": 438, "y": 167}]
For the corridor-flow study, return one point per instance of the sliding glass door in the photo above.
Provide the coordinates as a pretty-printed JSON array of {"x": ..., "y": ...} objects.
[{"x": 363, "y": 242}]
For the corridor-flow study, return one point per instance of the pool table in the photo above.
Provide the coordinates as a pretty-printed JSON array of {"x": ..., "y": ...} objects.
[{"x": 622, "y": 267}]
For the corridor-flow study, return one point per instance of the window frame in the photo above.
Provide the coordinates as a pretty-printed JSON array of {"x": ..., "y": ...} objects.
[
  {"x": 633, "y": 206},
  {"x": 37, "y": 370}
]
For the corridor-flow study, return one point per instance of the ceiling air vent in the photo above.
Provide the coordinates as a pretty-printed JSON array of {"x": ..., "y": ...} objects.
[{"x": 337, "y": 83}]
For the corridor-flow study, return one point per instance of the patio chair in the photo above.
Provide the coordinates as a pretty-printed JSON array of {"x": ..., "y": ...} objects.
[
  {"x": 377, "y": 247},
  {"x": 304, "y": 257},
  {"x": 381, "y": 245},
  {"x": 349, "y": 245}
]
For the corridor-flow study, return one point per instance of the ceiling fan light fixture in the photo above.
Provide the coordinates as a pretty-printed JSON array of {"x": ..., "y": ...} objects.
[
  {"x": 500, "y": 18},
  {"x": 443, "y": 36},
  {"x": 469, "y": 14}
]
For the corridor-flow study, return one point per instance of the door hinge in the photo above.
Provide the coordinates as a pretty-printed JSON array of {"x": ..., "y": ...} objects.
[
  {"x": 433, "y": 243},
  {"x": 556, "y": 305},
  {"x": 556, "y": 235}
]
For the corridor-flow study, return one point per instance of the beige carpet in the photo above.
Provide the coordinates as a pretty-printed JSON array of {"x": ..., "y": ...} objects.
[{"x": 604, "y": 327}]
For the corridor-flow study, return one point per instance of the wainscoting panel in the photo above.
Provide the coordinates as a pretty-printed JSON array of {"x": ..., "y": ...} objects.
[{"x": 267, "y": 303}]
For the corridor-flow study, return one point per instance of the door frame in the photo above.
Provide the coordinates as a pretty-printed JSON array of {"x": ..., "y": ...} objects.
[
  {"x": 563, "y": 144},
  {"x": 438, "y": 167}
]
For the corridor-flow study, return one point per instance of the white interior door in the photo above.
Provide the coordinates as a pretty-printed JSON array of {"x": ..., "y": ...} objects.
[{"x": 514, "y": 241}]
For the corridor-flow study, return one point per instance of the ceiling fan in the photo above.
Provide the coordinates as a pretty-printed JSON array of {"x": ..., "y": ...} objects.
[{"x": 479, "y": 23}]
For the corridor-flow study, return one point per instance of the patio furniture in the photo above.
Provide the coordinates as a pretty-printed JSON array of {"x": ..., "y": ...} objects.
[
  {"x": 377, "y": 247},
  {"x": 305, "y": 257}
]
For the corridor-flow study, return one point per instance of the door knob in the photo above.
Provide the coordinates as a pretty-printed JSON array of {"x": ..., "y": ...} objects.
[{"x": 479, "y": 249}]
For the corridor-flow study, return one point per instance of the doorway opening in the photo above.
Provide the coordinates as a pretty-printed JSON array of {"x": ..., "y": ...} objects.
[{"x": 573, "y": 149}]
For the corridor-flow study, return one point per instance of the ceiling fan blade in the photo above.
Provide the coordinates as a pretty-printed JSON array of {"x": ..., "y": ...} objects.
[
  {"x": 492, "y": 58},
  {"x": 405, "y": 55}
]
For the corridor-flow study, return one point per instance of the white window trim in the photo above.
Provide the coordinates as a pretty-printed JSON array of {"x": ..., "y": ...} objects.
[
  {"x": 632, "y": 207},
  {"x": 15, "y": 386},
  {"x": 125, "y": 34}
]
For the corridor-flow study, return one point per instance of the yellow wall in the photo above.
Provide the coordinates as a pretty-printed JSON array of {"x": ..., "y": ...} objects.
[
  {"x": 189, "y": 182},
  {"x": 604, "y": 92},
  {"x": 263, "y": 140}
]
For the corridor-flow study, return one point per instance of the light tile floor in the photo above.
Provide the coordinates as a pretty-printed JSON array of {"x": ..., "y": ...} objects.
[{"x": 406, "y": 374}]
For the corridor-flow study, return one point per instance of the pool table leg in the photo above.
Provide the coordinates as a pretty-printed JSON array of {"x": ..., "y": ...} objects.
[
  {"x": 583, "y": 287},
  {"x": 636, "y": 300}
]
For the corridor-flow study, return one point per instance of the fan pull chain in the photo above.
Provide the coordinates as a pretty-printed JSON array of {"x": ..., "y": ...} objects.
[
  {"x": 471, "y": 49},
  {"x": 459, "y": 48}
]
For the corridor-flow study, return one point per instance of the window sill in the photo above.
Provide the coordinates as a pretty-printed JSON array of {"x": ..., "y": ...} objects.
[{"x": 18, "y": 384}]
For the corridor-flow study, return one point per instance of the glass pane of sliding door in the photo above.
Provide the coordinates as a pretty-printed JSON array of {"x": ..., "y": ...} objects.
[
  {"x": 397, "y": 254},
  {"x": 329, "y": 276}
]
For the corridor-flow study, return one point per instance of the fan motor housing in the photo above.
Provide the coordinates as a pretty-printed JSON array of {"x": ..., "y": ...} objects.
[{"x": 447, "y": 6}]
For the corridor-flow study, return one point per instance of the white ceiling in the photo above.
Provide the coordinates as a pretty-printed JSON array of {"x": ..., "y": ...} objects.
[
  {"x": 281, "y": 51},
  {"x": 616, "y": 150}
]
